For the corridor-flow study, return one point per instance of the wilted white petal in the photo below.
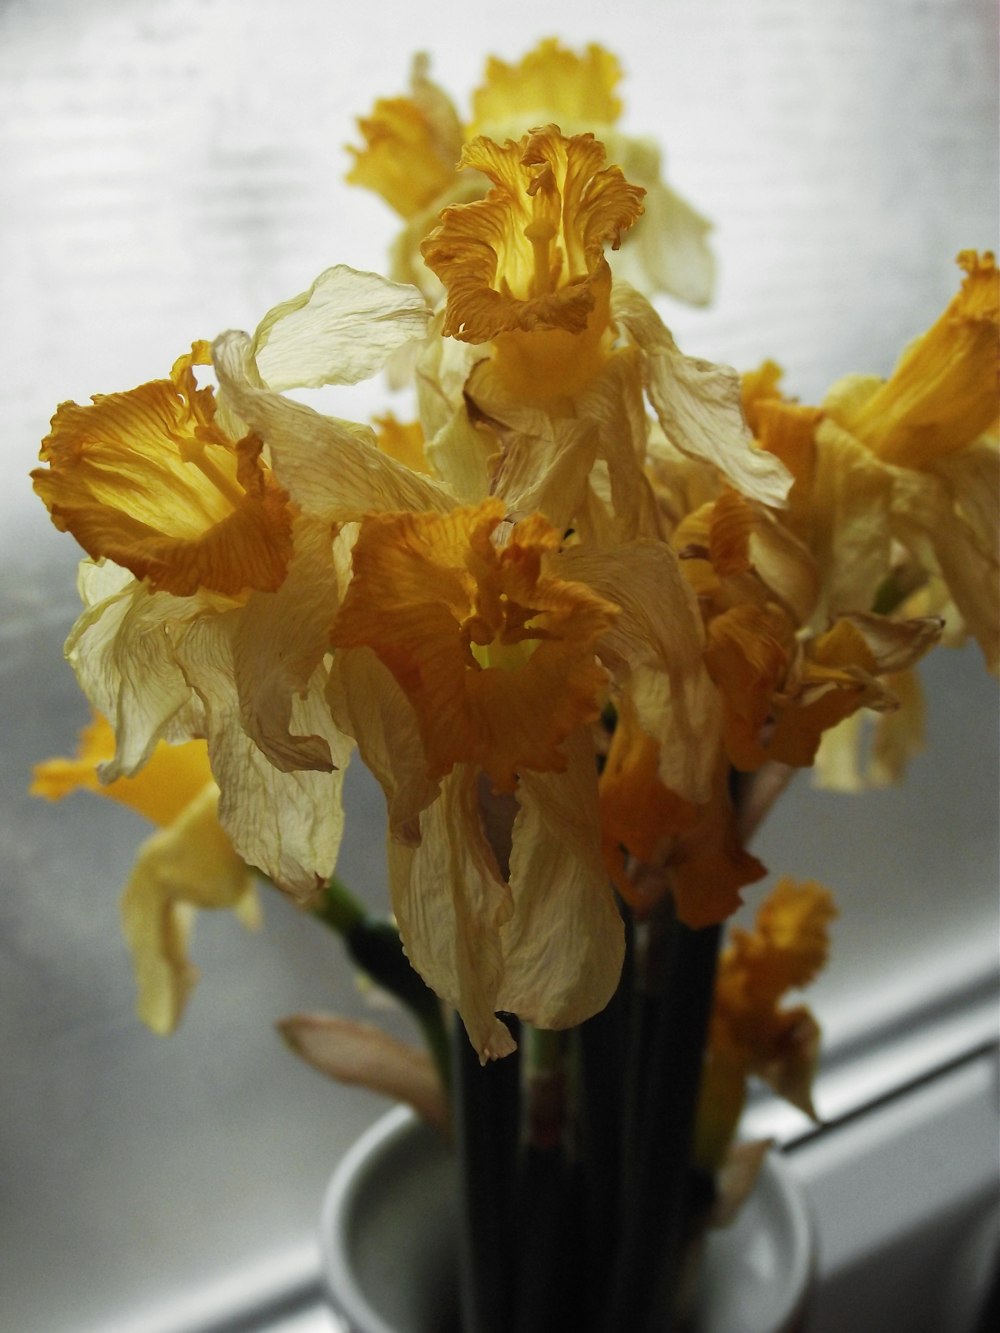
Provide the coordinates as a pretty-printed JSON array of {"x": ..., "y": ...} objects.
[
  {"x": 362, "y": 1054},
  {"x": 342, "y": 330},
  {"x": 121, "y": 651},
  {"x": 654, "y": 651},
  {"x": 279, "y": 645},
  {"x": 287, "y": 824},
  {"x": 332, "y": 469},
  {"x": 563, "y": 947},
  {"x": 451, "y": 903},
  {"x": 699, "y": 403},
  {"x": 667, "y": 250},
  {"x": 369, "y": 705}
]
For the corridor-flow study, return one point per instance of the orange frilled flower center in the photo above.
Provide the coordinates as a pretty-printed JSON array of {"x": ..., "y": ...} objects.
[
  {"x": 528, "y": 259},
  {"x": 496, "y": 656},
  {"x": 149, "y": 480}
]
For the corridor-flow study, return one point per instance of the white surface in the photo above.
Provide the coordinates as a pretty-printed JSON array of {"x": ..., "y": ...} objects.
[{"x": 173, "y": 169}]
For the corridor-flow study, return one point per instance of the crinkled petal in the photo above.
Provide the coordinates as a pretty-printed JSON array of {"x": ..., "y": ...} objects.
[
  {"x": 699, "y": 404},
  {"x": 450, "y": 903},
  {"x": 654, "y": 650},
  {"x": 369, "y": 705},
  {"x": 564, "y": 944},
  {"x": 121, "y": 650},
  {"x": 332, "y": 469},
  {"x": 342, "y": 330},
  {"x": 279, "y": 646},
  {"x": 287, "y": 824}
]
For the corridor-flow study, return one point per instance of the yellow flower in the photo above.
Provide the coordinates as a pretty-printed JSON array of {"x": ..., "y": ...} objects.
[
  {"x": 750, "y": 1032},
  {"x": 410, "y": 140},
  {"x": 496, "y": 656},
  {"x": 188, "y": 864},
  {"x": 897, "y": 482},
  {"x": 525, "y": 267},
  {"x": 149, "y": 479}
]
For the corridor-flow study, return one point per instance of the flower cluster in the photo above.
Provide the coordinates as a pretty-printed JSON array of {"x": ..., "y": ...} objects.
[{"x": 557, "y": 612}]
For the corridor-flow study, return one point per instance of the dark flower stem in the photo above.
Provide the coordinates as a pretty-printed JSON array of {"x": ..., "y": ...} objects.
[
  {"x": 672, "y": 1004},
  {"x": 487, "y": 1121},
  {"x": 373, "y": 943}
]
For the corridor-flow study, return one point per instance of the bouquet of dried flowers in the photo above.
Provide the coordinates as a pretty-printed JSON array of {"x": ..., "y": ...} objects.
[{"x": 582, "y": 617}]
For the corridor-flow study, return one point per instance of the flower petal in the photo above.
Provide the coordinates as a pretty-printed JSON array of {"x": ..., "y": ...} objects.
[
  {"x": 189, "y": 864},
  {"x": 342, "y": 330},
  {"x": 699, "y": 404},
  {"x": 362, "y": 1054},
  {"x": 450, "y": 903},
  {"x": 564, "y": 944},
  {"x": 332, "y": 469}
]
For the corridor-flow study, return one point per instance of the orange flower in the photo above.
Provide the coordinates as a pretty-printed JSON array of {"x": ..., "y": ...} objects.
[
  {"x": 496, "y": 657},
  {"x": 149, "y": 480}
]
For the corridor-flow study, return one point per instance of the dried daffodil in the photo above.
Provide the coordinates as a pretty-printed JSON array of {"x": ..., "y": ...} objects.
[
  {"x": 188, "y": 865},
  {"x": 412, "y": 148},
  {"x": 751, "y": 1034}
]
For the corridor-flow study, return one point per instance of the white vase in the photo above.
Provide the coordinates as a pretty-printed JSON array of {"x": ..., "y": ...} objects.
[{"x": 389, "y": 1224}]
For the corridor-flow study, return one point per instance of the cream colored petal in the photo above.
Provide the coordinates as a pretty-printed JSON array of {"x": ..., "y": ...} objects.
[
  {"x": 342, "y": 330},
  {"x": 667, "y": 250},
  {"x": 973, "y": 477},
  {"x": 613, "y": 402},
  {"x": 542, "y": 461},
  {"x": 190, "y": 864},
  {"x": 699, "y": 404},
  {"x": 564, "y": 945},
  {"x": 654, "y": 650},
  {"x": 332, "y": 469},
  {"x": 364, "y": 1055},
  {"x": 896, "y": 645},
  {"x": 279, "y": 646},
  {"x": 924, "y": 519},
  {"x": 451, "y": 903},
  {"x": 121, "y": 651},
  {"x": 287, "y": 824},
  {"x": 368, "y": 704},
  {"x": 852, "y": 493}
]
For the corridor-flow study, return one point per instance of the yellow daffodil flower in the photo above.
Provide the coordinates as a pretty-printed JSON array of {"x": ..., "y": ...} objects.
[
  {"x": 187, "y": 865},
  {"x": 750, "y": 1033},
  {"x": 149, "y": 479},
  {"x": 412, "y": 146},
  {"x": 897, "y": 482}
]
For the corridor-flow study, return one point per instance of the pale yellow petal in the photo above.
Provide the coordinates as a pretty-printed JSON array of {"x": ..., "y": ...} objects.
[
  {"x": 667, "y": 249},
  {"x": 369, "y": 705},
  {"x": 699, "y": 404},
  {"x": 121, "y": 651},
  {"x": 654, "y": 651},
  {"x": 342, "y": 330},
  {"x": 451, "y": 902},
  {"x": 287, "y": 824},
  {"x": 279, "y": 646},
  {"x": 190, "y": 864},
  {"x": 332, "y": 469},
  {"x": 564, "y": 944}
]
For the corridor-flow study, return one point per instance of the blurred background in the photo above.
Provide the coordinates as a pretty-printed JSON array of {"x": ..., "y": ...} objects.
[{"x": 174, "y": 169}]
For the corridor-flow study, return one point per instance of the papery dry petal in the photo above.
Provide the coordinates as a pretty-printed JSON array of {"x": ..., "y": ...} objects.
[
  {"x": 366, "y": 1056},
  {"x": 564, "y": 944}
]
